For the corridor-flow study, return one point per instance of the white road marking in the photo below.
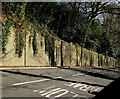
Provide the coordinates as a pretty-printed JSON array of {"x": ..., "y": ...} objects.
[
  {"x": 50, "y": 91},
  {"x": 57, "y": 91},
  {"x": 42, "y": 91},
  {"x": 95, "y": 90},
  {"x": 64, "y": 91},
  {"x": 75, "y": 95},
  {"x": 35, "y": 90},
  {"x": 29, "y": 82},
  {"x": 83, "y": 87},
  {"x": 78, "y": 74}
]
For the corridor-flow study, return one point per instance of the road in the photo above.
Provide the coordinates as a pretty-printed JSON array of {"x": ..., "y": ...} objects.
[{"x": 54, "y": 83}]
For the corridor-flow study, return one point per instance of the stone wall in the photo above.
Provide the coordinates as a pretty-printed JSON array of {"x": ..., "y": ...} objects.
[
  {"x": 74, "y": 55},
  {"x": 54, "y": 52}
]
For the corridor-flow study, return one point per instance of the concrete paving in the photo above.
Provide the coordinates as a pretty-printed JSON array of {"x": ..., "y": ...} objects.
[{"x": 54, "y": 83}]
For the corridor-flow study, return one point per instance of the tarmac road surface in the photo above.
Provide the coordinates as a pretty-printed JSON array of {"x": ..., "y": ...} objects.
[{"x": 54, "y": 83}]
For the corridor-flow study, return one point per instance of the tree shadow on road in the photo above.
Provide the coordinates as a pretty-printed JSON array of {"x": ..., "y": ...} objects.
[
  {"x": 108, "y": 69},
  {"x": 52, "y": 78},
  {"x": 95, "y": 74},
  {"x": 112, "y": 91}
]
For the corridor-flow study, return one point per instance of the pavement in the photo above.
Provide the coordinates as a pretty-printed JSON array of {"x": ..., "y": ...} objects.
[{"x": 56, "y": 83}]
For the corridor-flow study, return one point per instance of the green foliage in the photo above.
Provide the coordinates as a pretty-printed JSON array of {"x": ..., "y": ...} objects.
[
  {"x": 93, "y": 40},
  {"x": 5, "y": 34},
  {"x": 96, "y": 28},
  {"x": 105, "y": 45},
  {"x": 14, "y": 14},
  {"x": 111, "y": 26},
  {"x": 53, "y": 19}
]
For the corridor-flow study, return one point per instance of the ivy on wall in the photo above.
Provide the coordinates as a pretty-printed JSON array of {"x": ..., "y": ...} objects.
[{"x": 5, "y": 34}]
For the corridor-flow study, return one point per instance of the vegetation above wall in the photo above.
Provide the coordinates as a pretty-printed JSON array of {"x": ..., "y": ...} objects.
[{"x": 72, "y": 22}]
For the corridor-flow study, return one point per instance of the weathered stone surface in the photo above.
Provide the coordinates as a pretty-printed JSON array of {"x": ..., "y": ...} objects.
[{"x": 55, "y": 52}]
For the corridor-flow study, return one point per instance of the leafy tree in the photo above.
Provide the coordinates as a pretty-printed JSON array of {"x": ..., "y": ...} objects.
[
  {"x": 71, "y": 21},
  {"x": 111, "y": 25}
]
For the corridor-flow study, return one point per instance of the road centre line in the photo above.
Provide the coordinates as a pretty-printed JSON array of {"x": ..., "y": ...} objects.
[{"x": 29, "y": 82}]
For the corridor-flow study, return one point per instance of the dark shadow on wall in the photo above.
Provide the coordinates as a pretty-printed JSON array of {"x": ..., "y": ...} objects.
[{"x": 7, "y": 53}]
